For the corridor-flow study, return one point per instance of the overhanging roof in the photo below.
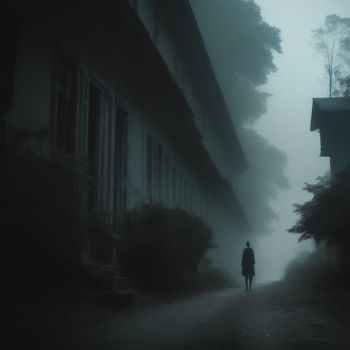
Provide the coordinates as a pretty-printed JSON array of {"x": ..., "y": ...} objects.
[
  {"x": 195, "y": 53},
  {"x": 137, "y": 50},
  {"x": 328, "y": 107}
]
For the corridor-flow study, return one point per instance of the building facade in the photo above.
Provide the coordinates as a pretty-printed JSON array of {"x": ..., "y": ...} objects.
[
  {"x": 128, "y": 87},
  {"x": 331, "y": 116}
]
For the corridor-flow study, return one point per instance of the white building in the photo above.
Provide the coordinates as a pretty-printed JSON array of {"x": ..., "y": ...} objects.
[{"x": 128, "y": 86}]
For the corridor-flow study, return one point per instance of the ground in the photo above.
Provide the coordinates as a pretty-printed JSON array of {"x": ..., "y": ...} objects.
[{"x": 274, "y": 316}]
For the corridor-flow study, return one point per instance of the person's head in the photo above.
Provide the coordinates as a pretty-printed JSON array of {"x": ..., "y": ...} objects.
[{"x": 248, "y": 244}]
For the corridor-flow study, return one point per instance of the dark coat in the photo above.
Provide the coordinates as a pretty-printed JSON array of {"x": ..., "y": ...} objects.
[{"x": 248, "y": 262}]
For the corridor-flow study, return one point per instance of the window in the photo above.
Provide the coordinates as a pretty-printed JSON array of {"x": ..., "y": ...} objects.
[
  {"x": 179, "y": 191},
  {"x": 185, "y": 195},
  {"x": 102, "y": 138},
  {"x": 166, "y": 179},
  {"x": 95, "y": 138},
  {"x": 159, "y": 167},
  {"x": 120, "y": 178},
  {"x": 174, "y": 185},
  {"x": 190, "y": 204},
  {"x": 65, "y": 101},
  {"x": 156, "y": 164},
  {"x": 149, "y": 165},
  {"x": 99, "y": 145}
]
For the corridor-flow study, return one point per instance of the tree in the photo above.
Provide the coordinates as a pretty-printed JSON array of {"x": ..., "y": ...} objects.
[
  {"x": 344, "y": 85},
  {"x": 325, "y": 218},
  {"x": 241, "y": 46},
  {"x": 264, "y": 180},
  {"x": 332, "y": 42}
]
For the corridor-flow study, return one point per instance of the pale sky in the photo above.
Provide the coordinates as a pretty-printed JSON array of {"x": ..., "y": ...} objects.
[{"x": 299, "y": 78}]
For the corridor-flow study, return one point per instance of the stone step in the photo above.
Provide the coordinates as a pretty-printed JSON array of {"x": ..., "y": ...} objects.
[
  {"x": 115, "y": 298},
  {"x": 109, "y": 298},
  {"x": 115, "y": 277}
]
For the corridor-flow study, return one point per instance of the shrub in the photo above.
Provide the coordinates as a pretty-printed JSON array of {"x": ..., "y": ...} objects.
[
  {"x": 164, "y": 247},
  {"x": 312, "y": 270},
  {"x": 46, "y": 227},
  {"x": 214, "y": 278},
  {"x": 100, "y": 238},
  {"x": 325, "y": 217}
]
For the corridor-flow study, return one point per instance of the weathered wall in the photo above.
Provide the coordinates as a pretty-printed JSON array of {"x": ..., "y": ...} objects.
[{"x": 98, "y": 53}]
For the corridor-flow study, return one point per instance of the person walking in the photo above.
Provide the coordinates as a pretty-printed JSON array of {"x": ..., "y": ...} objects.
[{"x": 248, "y": 262}]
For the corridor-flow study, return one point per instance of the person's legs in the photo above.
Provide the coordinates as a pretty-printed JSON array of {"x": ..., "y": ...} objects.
[
  {"x": 246, "y": 282},
  {"x": 250, "y": 282}
]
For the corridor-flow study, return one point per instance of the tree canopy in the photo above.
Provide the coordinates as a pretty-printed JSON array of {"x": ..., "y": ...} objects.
[
  {"x": 241, "y": 46},
  {"x": 332, "y": 42},
  {"x": 344, "y": 86},
  {"x": 326, "y": 216},
  {"x": 263, "y": 181}
]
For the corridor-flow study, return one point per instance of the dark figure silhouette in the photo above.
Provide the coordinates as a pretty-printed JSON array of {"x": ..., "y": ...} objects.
[{"x": 248, "y": 262}]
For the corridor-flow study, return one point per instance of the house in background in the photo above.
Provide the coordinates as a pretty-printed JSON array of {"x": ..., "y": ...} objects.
[
  {"x": 331, "y": 116},
  {"x": 128, "y": 86}
]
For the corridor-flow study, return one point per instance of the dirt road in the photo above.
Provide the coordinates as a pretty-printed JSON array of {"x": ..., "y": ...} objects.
[{"x": 274, "y": 317}]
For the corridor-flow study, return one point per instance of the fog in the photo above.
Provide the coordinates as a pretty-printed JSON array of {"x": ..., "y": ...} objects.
[
  {"x": 300, "y": 77},
  {"x": 127, "y": 205},
  {"x": 281, "y": 121}
]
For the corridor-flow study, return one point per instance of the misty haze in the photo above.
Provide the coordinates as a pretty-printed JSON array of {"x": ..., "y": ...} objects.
[{"x": 176, "y": 174}]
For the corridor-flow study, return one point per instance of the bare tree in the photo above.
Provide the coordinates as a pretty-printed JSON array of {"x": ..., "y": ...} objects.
[{"x": 332, "y": 42}]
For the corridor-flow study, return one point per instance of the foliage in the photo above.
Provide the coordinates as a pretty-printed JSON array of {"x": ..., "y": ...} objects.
[
  {"x": 332, "y": 42},
  {"x": 344, "y": 86},
  {"x": 164, "y": 247},
  {"x": 100, "y": 237},
  {"x": 325, "y": 217},
  {"x": 47, "y": 232},
  {"x": 241, "y": 49},
  {"x": 264, "y": 179},
  {"x": 313, "y": 270},
  {"x": 214, "y": 278},
  {"x": 45, "y": 203}
]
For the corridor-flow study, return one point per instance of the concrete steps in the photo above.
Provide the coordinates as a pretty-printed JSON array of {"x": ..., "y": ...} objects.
[
  {"x": 117, "y": 291},
  {"x": 115, "y": 277}
]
